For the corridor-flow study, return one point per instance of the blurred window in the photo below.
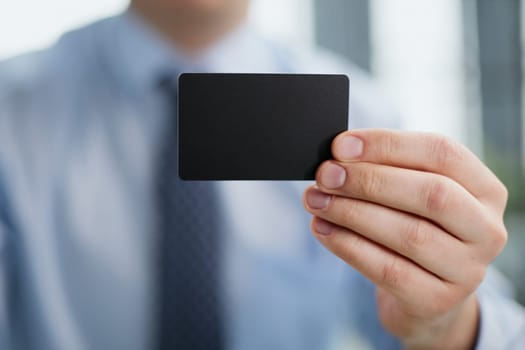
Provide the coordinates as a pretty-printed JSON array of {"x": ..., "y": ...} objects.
[{"x": 453, "y": 67}]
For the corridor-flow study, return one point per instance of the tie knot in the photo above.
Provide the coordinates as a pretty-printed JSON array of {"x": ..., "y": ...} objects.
[
  {"x": 169, "y": 83},
  {"x": 169, "y": 80}
]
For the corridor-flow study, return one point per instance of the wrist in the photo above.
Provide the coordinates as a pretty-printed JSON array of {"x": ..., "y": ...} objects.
[{"x": 457, "y": 330}]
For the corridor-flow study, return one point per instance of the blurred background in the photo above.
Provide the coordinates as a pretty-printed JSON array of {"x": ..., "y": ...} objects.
[{"x": 449, "y": 66}]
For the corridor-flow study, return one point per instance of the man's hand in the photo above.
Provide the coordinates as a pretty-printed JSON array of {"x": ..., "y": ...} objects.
[{"x": 421, "y": 217}]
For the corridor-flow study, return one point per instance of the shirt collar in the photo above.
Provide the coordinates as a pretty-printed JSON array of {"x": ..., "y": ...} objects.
[{"x": 141, "y": 56}]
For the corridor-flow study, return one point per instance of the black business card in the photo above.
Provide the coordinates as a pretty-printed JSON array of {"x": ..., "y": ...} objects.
[{"x": 258, "y": 126}]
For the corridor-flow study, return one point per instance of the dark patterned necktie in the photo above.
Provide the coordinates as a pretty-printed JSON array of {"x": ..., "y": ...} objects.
[{"x": 189, "y": 252}]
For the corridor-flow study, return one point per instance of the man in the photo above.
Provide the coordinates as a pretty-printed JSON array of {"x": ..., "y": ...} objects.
[{"x": 80, "y": 130}]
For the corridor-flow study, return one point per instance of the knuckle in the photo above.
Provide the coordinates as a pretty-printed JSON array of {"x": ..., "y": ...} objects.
[
  {"x": 497, "y": 194},
  {"x": 477, "y": 275},
  {"x": 472, "y": 278},
  {"x": 370, "y": 183},
  {"x": 434, "y": 194},
  {"x": 442, "y": 300},
  {"x": 443, "y": 151},
  {"x": 502, "y": 192},
  {"x": 389, "y": 145},
  {"x": 353, "y": 243},
  {"x": 392, "y": 273},
  {"x": 349, "y": 208},
  {"x": 498, "y": 238},
  {"x": 415, "y": 236}
]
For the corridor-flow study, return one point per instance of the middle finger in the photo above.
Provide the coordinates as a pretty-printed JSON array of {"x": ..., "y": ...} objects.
[
  {"x": 432, "y": 196},
  {"x": 413, "y": 237}
]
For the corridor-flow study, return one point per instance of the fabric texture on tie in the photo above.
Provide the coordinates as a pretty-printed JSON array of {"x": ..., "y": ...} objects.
[{"x": 189, "y": 221}]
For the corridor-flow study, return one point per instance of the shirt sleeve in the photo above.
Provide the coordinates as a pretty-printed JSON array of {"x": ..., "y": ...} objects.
[{"x": 502, "y": 323}]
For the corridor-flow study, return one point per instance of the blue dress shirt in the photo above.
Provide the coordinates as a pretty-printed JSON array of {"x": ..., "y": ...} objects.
[{"x": 79, "y": 131}]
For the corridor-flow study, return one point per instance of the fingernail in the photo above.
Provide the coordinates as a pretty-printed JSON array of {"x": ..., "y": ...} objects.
[
  {"x": 349, "y": 147},
  {"x": 332, "y": 175},
  {"x": 322, "y": 227},
  {"x": 317, "y": 199}
]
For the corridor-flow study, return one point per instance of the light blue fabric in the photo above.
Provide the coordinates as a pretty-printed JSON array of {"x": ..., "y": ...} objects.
[{"x": 79, "y": 127}]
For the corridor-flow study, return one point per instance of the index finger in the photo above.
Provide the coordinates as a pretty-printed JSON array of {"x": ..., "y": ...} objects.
[{"x": 419, "y": 151}]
